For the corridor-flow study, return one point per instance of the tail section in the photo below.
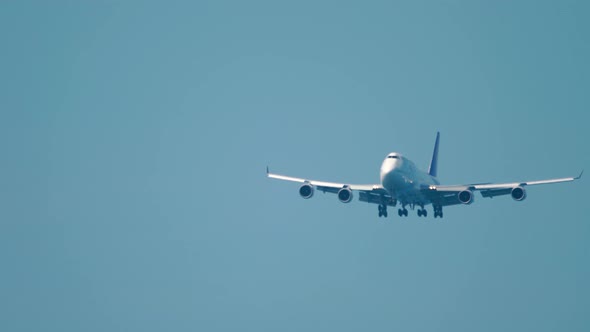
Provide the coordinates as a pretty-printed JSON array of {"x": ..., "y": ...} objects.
[{"x": 434, "y": 162}]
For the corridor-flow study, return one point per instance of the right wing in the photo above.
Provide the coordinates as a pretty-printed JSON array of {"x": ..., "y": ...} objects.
[{"x": 448, "y": 195}]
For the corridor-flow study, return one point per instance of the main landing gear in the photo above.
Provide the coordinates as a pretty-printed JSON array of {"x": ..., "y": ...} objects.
[
  {"x": 438, "y": 211},
  {"x": 422, "y": 212},
  {"x": 402, "y": 212},
  {"x": 382, "y": 210}
]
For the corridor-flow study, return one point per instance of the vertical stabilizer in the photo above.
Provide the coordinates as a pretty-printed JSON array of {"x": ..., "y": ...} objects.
[{"x": 434, "y": 162}]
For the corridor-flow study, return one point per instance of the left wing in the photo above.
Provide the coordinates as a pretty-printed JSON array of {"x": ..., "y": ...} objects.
[
  {"x": 325, "y": 186},
  {"x": 449, "y": 195},
  {"x": 372, "y": 193}
]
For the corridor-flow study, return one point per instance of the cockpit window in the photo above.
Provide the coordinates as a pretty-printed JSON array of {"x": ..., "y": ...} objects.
[{"x": 395, "y": 157}]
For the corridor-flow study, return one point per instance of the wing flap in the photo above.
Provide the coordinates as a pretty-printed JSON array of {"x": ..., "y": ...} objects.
[
  {"x": 376, "y": 197},
  {"x": 443, "y": 197},
  {"x": 495, "y": 192}
]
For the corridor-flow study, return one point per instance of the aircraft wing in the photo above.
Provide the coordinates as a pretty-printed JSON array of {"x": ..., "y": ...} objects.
[
  {"x": 372, "y": 193},
  {"x": 447, "y": 195}
]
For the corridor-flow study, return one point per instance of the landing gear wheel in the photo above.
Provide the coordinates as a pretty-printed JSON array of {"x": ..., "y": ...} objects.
[
  {"x": 382, "y": 210},
  {"x": 425, "y": 213},
  {"x": 400, "y": 212},
  {"x": 419, "y": 213},
  {"x": 438, "y": 211}
]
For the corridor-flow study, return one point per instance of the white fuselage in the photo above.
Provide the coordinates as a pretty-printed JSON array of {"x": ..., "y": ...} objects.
[{"x": 402, "y": 179}]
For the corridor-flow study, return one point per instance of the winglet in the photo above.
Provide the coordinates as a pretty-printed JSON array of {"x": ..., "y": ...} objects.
[
  {"x": 579, "y": 176},
  {"x": 432, "y": 170},
  {"x": 267, "y": 170}
]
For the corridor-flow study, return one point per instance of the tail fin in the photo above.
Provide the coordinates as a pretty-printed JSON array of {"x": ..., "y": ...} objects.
[{"x": 434, "y": 162}]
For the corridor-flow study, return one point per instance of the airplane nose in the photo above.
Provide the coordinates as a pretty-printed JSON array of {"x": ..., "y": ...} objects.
[
  {"x": 390, "y": 165},
  {"x": 396, "y": 163}
]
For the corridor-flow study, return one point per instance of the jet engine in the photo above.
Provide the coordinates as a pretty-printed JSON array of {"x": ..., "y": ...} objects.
[
  {"x": 518, "y": 193},
  {"x": 465, "y": 197},
  {"x": 345, "y": 195},
  {"x": 306, "y": 190}
]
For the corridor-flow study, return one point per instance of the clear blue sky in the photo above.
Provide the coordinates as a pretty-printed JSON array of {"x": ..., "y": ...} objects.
[{"x": 134, "y": 138}]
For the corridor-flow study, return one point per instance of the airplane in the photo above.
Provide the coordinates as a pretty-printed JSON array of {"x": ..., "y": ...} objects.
[{"x": 402, "y": 182}]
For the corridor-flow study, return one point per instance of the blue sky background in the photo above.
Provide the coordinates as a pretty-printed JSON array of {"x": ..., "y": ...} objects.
[{"x": 134, "y": 138}]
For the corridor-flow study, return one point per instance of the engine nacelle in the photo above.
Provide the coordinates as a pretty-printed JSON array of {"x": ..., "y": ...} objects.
[
  {"x": 306, "y": 191},
  {"x": 465, "y": 196},
  {"x": 345, "y": 195},
  {"x": 518, "y": 193}
]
